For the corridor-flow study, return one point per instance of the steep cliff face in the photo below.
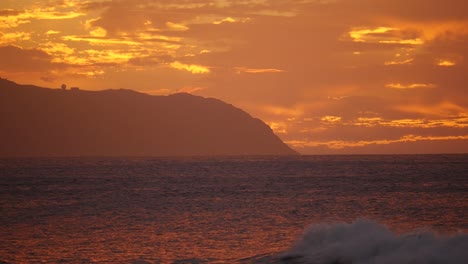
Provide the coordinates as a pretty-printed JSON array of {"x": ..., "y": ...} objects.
[{"x": 48, "y": 122}]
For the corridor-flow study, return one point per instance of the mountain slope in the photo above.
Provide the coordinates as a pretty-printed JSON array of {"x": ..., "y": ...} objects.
[{"x": 49, "y": 122}]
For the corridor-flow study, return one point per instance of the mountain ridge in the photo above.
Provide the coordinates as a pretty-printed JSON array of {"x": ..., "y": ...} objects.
[{"x": 48, "y": 122}]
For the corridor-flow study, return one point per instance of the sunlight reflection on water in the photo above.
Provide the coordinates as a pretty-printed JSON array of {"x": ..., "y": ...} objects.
[{"x": 214, "y": 209}]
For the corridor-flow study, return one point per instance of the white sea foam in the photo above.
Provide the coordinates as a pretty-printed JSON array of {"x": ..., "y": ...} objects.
[{"x": 366, "y": 242}]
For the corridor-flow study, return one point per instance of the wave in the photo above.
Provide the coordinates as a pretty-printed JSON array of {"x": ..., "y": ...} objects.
[{"x": 367, "y": 242}]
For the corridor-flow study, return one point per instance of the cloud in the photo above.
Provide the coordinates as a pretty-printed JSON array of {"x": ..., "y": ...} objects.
[
  {"x": 399, "y": 62},
  {"x": 151, "y": 60},
  {"x": 10, "y": 12},
  {"x": 190, "y": 89},
  {"x": 192, "y": 68},
  {"x": 330, "y": 119},
  {"x": 52, "y": 32},
  {"x": 17, "y": 59},
  {"x": 7, "y": 38},
  {"x": 340, "y": 144},
  {"x": 175, "y": 26},
  {"x": 440, "y": 109},
  {"x": 14, "y": 18},
  {"x": 446, "y": 63},
  {"x": 410, "y": 86},
  {"x": 459, "y": 121},
  {"x": 257, "y": 70},
  {"x": 387, "y": 35},
  {"x": 23, "y": 64},
  {"x": 97, "y": 40}
]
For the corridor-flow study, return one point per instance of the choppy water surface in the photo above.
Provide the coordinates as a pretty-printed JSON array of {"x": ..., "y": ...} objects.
[{"x": 225, "y": 210}]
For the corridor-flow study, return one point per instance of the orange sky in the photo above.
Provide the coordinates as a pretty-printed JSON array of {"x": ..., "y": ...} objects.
[{"x": 329, "y": 76}]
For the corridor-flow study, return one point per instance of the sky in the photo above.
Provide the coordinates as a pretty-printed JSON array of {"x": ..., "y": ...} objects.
[{"x": 328, "y": 76}]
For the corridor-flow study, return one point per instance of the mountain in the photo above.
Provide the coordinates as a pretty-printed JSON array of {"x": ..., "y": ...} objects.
[{"x": 37, "y": 121}]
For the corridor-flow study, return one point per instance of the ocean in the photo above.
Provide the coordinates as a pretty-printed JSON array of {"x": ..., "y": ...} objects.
[{"x": 352, "y": 209}]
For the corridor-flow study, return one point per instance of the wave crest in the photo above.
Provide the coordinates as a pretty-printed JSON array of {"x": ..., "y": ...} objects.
[{"x": 366, "y": 242}]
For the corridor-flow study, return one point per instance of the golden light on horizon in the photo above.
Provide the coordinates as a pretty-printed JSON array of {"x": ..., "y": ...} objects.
[{"x": 339, "y": 144}]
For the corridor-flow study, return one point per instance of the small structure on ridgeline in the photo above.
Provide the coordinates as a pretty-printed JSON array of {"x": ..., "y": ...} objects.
[{"x": 73, "y": 88}]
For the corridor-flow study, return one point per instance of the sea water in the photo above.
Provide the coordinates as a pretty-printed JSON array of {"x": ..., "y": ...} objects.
[{"x": 298, "y": 209}]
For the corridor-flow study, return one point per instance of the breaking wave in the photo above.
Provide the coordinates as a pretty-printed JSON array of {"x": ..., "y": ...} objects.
[{"x": 366, "y": 242}]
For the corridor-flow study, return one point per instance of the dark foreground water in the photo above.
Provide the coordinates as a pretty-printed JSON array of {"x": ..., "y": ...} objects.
[{"x": 235, "y": 210}]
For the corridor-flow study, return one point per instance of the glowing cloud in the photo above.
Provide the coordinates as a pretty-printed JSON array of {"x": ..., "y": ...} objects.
[
  {"x": 367, "y": 121},
  {"x": 416, "y": 41},
  {"x": 278, "y": 127},
  {"x": 402, "y": 62},
  {"x": 382, "y": 35},
  {"x": 52, "y": 14},
  {"x": 331, "y": 119},
  {"x": 228, "y": 20},
  {"x": 194, "y": 69},
  {"x": 459, "y": 122},
  {"x": 16, "y": 18},
  {"x": 447, "y": 109},
  {"x": 257, "y": 70},
  {"x": 52, "y": 32},
  {"x": 283, "y": 111},
  {"x": 101, "y": 40},
  {"x": 341, "y": 144},
  {"x": 57, "y": 49},
  {"x": 7, "y": 38},
  {"x": 363, "y": 35},
  {"x": 446, "y": 63},
  {"x": 98, "y": 32},
  {"x": 456, "y": 122},
  {"x": 176, "y": 26},
  {"x": 409, "y": 86}
]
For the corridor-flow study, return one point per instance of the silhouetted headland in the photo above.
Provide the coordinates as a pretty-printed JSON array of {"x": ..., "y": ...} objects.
[{"x": 39, "y": 121}]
